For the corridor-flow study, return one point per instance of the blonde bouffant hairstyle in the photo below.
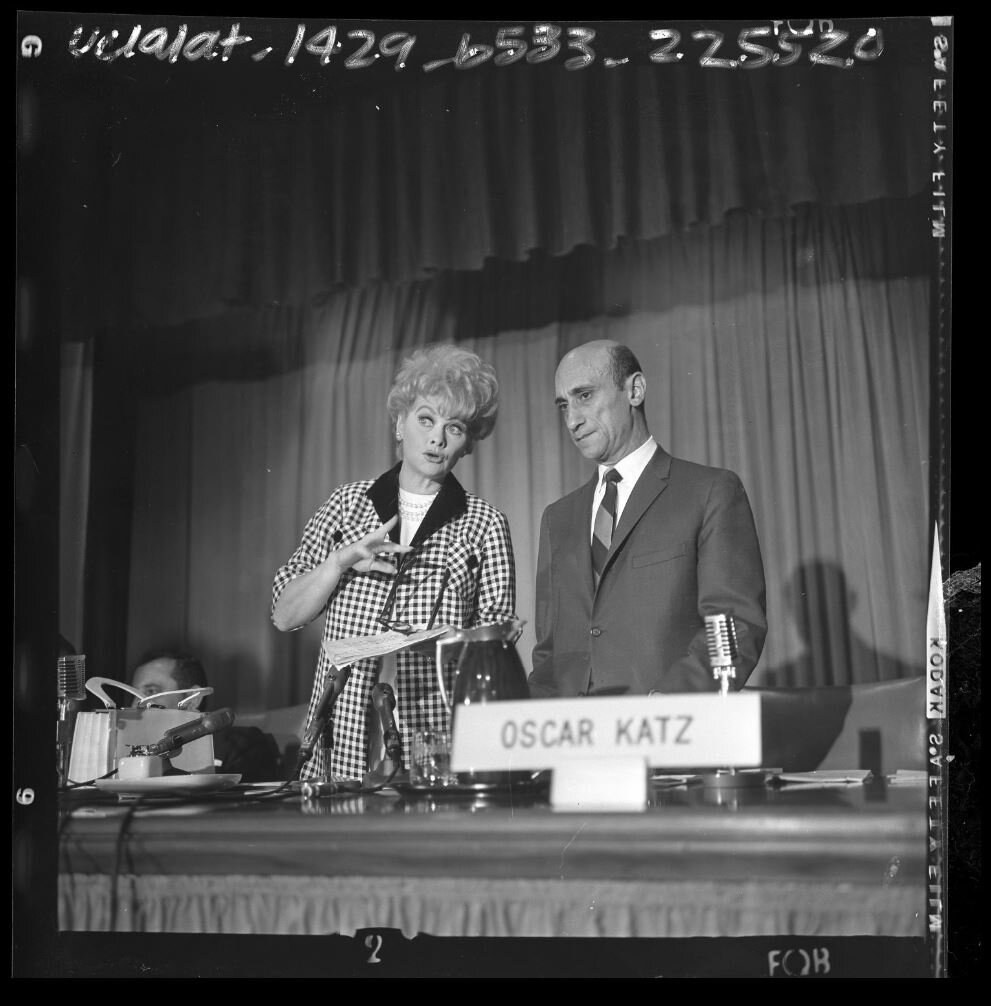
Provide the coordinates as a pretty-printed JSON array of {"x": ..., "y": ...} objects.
[{"x": 461, "y": 382}]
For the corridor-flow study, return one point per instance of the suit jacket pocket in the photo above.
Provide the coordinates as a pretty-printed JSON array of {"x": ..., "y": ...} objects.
[
  {"x": 662, "y": 555},
  {"x": 463, "y": 568}
]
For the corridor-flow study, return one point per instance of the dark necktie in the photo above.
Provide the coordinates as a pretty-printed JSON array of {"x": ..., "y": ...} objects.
[{"x": 605, "y": 522}]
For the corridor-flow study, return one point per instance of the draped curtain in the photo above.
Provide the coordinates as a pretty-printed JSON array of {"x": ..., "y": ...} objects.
[
  {"x": 793, "y": 351},
  {"x": 76, "y": 394},
  {"x": 248, "y": 275},
  {"x": 184, "y": 200}
]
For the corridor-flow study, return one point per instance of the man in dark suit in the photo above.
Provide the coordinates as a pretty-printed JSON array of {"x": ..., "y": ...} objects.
[{"x": 631, "y": 563}]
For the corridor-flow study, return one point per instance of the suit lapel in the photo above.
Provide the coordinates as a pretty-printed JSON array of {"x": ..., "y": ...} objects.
[
  {"x": 450, "y": 502},
  {"x": 650, "y": 485},
  {"x": 384, "y": 494},
  {"x": 582, "y": 519}
]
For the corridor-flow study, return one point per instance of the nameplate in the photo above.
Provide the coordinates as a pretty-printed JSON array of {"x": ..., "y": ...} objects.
[
  {"x": 615, "y": 783},
  {"x": 668, "y": 731}
]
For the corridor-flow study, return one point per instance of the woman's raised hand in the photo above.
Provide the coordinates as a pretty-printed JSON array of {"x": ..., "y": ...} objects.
[{"x": 366, "y": 555}]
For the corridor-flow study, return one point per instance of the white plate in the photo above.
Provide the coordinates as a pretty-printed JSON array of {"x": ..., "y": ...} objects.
[{"x": 198, "y": 782}]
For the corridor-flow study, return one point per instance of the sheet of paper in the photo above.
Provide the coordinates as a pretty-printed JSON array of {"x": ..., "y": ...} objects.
[
  {"x": 839, "y": 777},
  {"x": 908, "y": 776},
  {"x": 343, "y": 652}
]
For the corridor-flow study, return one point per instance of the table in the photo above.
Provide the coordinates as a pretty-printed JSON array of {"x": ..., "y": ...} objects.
[{"x": 793, "y": 861}]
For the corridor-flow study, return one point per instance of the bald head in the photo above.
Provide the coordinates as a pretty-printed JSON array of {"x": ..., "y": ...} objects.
[
  {"x": 600, "y": 392},
  {"x": 620, "y": 360}
]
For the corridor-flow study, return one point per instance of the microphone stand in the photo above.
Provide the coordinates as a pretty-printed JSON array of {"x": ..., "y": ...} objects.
[
  {"x": 384, "y": 704},
  {"x": 323, "y": 717},
  {"x": 724, "y": 674},
  {"x": 64, "y": 741},
  {"x": 71, "y": 689},
  {"x": 721, "y": 634}
]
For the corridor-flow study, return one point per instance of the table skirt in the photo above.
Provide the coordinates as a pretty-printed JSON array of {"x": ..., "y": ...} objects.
[{"x": 484, "y": 907}]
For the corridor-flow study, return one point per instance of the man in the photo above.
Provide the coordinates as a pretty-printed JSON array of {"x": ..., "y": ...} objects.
[
  {"x": 168, "y": 671},
  {"x": 247, "y": 751},
  {"x": 622, "y": 593}
]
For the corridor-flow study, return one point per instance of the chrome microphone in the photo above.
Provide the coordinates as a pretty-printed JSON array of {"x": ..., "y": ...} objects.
[
  {"x": 72, "y": 678},
  {"x": 720, "y": 634},
  {"x": 71, "y": 688}
]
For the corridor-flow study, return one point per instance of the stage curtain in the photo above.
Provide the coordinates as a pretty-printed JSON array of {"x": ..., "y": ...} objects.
[
  {"x": 794, "y": 351},
  {"x": 485, "y": 907},
  {"x": 246, "y": 265},
  {"x": 76, "y": 401},
  {"x": 180, "y": 202}
]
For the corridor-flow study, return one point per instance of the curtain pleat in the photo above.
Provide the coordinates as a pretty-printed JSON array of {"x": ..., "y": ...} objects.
[{"x": 76, "y": 407}]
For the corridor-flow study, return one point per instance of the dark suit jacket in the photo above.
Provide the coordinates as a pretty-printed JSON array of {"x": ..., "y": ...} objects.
[{"x": 685, "y": 547}]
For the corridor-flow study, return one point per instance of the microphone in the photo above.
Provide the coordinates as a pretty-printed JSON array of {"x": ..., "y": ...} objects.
[
  {"x": 384, "y": 701},
  {"x": 720, "y": 634},
  {"x": 71, "y": 688},
  {"x": 72, "y": 678},
  {"x": 186, "y": 732},
  {"x": 337, "y": 678}
]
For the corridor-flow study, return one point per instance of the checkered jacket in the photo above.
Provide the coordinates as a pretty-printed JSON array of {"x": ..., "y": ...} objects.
[{"x": 460, "y": 533}]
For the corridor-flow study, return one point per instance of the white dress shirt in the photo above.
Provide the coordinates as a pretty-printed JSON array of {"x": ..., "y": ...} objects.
[{"x": 630, "y": 468}]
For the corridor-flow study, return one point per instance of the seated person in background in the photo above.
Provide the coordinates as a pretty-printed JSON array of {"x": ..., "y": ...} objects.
[
  {"x": 168, "y": 671},
  {"x": 630, "y": 564},
  {"x": 248, "y": 751}
]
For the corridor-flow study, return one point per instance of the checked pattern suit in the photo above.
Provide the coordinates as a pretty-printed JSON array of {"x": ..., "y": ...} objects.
[{"x": 461, "y": 533}]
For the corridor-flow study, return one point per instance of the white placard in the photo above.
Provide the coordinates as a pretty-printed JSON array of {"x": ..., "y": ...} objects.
[
  {"x": 600, "y": 784},
  {"x": 683, "y": 730}
]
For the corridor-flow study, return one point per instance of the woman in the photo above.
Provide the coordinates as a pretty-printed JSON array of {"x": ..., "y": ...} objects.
[{"x": 410, "y": 549}]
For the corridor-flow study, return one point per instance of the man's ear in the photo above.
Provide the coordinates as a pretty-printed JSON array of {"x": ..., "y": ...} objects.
[{"x": 636, "y": 388}]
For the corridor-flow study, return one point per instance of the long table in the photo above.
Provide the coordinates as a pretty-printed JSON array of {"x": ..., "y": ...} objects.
[{"x": 794, "y": 861}]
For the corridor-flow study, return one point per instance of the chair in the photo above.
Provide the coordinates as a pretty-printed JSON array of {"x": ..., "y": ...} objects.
[{"x": 285, "y": 724}]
